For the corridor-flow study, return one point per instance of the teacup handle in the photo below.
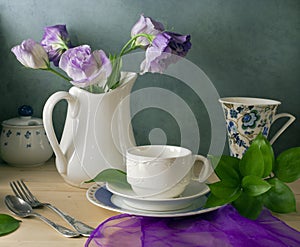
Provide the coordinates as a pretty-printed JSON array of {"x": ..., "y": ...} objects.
[
  {"x": 206, "y": 169},
  {"x": 284, "y": 127}
]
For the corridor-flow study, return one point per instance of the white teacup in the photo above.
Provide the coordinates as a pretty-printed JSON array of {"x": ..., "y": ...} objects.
[{"x": 163, "y": 171}]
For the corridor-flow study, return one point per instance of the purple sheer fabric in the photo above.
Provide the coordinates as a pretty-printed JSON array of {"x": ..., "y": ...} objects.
[{"x": 223, "y": 227}]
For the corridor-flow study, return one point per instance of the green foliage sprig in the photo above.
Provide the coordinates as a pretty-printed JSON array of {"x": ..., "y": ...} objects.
[
  {"x": 256, "y": 180},
  {"x": 8, "y": 224}
]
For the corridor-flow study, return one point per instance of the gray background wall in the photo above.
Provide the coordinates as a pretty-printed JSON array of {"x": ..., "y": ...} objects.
[{"x": 246, "y": 48}]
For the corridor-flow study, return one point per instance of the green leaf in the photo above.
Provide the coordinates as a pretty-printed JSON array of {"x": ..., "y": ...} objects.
[
  {"x": 248, "y": 206},
  {"x": 94, "y": 89},
  {"x": 213, "y": 201},
  {"x": 114, "y": 78},
  {"x": 255, "y": 186},
  {"x": 224, "y": 189},
  {"x": 8, "y": 224},
  {"x": 279, "y": 198},
  {"x": 111, "y": 176},
  {"x": 287, "y": 165},
  {"x": 227, "y": 168},
  {"x": 252, "y": 163},
  {"x": 267, "y": 151}
]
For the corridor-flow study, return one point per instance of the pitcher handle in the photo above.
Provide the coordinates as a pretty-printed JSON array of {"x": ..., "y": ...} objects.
[
  {"x": 62, "y": 162},
  {"x": 284, "y": 127}
]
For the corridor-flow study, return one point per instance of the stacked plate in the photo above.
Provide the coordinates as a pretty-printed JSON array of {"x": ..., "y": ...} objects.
[{"x": 122, "y": 199}]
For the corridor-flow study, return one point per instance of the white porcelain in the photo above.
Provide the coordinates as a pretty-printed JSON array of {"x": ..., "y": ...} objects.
[
  {"x": 163, "y": 171},
  {"x": 151, "y": 160},
  {"x": 123, "y": 203},
  {"x": 96, "y": 134},
  {"x": 247, "y": 117},
  {"x": 101, "y": 197},
  {"x": 192, "y": 192},
  {"x": 23, "y": 142}
]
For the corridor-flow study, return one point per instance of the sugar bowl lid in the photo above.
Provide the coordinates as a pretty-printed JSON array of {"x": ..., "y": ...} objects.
[{"x": 25, "y": 118}]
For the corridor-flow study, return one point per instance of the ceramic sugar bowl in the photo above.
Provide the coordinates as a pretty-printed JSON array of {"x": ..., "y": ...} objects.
[{"x": 23, "y": 141}]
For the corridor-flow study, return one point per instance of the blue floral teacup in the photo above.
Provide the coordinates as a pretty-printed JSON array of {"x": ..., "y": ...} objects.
[{"x": 247, "y": 117}]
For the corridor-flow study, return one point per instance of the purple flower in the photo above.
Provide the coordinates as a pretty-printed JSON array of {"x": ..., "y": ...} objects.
[
  {"x": 55, "y": 41},
  {"x": 165, "y": 49},
  {"x": 86, "y": 67},
  {"x": 148, "y": 26},
  {"x": 31, "y": 54}
]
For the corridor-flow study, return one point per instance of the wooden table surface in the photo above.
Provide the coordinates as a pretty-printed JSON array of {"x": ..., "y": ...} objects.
[{"x": 48, "y": 186}]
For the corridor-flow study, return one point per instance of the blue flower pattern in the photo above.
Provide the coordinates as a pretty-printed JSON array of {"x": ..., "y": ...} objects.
[
  {"x": 265, "y": 131},
  {"x": 238, "y": 141},
  {"x": 27, "y": 135},
  {"x": 244, "y": 123},
  {"x": 8, "y": 133},
  {"x": 249, "y": 120},
  {"x": 233, "y": 113},
  {"x": 240, "y": 109},
  {"x": 232, "y": 127}
]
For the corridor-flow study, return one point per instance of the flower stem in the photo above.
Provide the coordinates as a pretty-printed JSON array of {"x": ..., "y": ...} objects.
[
  {"x": 125, "y": 49},
  {"x": 57, "y": 73}
]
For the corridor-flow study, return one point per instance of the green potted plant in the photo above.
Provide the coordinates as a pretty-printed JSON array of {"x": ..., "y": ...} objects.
[{"x": 256, "y": 180}]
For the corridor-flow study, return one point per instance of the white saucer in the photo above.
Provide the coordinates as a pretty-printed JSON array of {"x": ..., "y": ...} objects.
[
  {"x": 192, "y": 192},
  {"x": 101, "y": 197},
  {"x": 121, "y": 202}
]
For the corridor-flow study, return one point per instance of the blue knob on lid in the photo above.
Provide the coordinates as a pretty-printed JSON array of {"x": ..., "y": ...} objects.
[{"x": 25, "y": 111}]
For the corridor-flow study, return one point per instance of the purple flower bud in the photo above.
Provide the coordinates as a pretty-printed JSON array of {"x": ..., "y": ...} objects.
[
  {"x": 86, "y": 67},
  {"x": 31, "y": 54},
  {"x": 148, "y": 26},
  {"x": 166, "y": 48},
  {"x": 55, "y": 41}
]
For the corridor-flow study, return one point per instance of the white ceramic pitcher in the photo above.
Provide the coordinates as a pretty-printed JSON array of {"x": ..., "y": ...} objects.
[{"x": 96, "y": 134}]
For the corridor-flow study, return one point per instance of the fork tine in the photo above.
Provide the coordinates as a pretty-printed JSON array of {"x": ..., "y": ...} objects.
[
  {"x": 27, "y": 190},
  {"x": 24, "y": 192},
  {"x": 12, "y": 186},
  {"x": 16, "y": 190},
  {"x": 20, "y": 192}
]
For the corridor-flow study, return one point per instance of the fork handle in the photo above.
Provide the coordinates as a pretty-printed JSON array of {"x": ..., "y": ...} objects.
[
  {"x": 79, "y": 226},
  {"x": 61, "y": 229}
]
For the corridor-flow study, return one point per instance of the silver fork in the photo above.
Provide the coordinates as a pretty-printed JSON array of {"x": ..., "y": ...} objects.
[{"x": 21, "y": 190}]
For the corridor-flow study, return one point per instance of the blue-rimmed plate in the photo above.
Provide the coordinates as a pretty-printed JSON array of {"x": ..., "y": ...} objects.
[
  {"x": 193, "y": 191},
  {"x": 101, "y": 197}
]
